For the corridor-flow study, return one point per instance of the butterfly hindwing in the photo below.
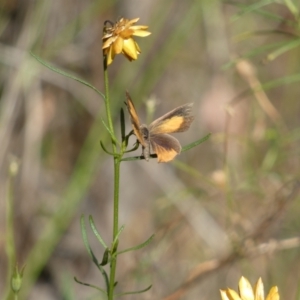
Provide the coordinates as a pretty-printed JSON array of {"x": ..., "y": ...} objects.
[{"x": 165, "y": 146}]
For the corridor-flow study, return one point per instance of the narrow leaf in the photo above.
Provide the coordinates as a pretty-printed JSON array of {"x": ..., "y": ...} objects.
[
  {"x": 86, "y": 242},
  {"x": 66, "y": 74},
  {"x": 196, "y": 143},
  {"x": 110, "y": 133},
  {"x": 116, "y": 240},
  {"x": 136, "y": 146},
  {"x": 105, "y": 257},
  {"x": 138, "y": 246},
  {"x": 96, "y": 233},
  {"x": 293, "y": 8},
  {"x": 250, "y": 8},
  {"x": 122, "y": 124},
  {"x": 84, "y": 234},
  {"x": 90, "y": 285},
  {"x": 254, "y": 52},
  {"x": 287, "y": 47},
  {"x": 90, "y": 252},
  {"x": 281, "y": 81},
  {"x": 134, "y": 292},
  {"x": 105, "y": 150}
]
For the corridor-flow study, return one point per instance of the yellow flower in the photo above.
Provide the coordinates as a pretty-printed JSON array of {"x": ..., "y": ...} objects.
[
  {"x": 247, "y": 293},
  {"x": 117, "y": 39}
]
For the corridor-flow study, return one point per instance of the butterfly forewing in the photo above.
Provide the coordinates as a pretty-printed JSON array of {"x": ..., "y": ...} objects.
[
  {"x": 177, "y": 120},
  {"x": 134, "y": 120}
]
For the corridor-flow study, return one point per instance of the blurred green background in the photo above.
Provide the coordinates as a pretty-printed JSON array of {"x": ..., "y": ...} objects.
[{"x": 227, "y": 208}]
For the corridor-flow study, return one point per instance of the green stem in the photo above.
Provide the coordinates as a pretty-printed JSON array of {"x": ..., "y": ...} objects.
[
  {"x": 113, "y": 264},
  {"x": 107, "y": 107},
  {"x": 117, "y": 162}
]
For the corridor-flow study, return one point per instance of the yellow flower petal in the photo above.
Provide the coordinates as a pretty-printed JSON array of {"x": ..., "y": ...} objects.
[
  {"x": 118, "y": 38},
  {"x": 246, "y": 292},
  {"x": 133, "y": 21},
  {"x": 141, "y": 33},
  {"x": 232, "y": 295},
  {"x": 139, "y": 27},
  {"x": 108, "y": 42},
  {"x": 273, "y": 294},
  {"x": 126, "y": 33},
  {"x": 118, "y": 45},
  {"x": 224, "y": 295},
  {"x": 110, "y": 56},
  {"x": 259, "y": 290},
  {"x": 245, "y": 289},
  {"x": 137, "y": 47},
  {"x": 129, "y": 48}
]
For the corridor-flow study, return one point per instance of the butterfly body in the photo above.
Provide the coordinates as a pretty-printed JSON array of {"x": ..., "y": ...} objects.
[{"x": 156, "y": 135}]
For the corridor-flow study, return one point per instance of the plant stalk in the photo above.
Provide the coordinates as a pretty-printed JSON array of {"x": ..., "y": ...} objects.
[{"x": 117, "y": 162}]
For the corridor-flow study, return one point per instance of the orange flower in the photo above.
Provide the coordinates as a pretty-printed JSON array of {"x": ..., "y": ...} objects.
[
  {"x": 118, "y": 39},
  {"x": 246, "y": 292}
]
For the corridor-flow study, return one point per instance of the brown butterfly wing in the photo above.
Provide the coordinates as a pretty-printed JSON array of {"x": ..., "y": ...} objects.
[
  {"x": 165, "y": 146},
  {"x": 177, "y": 120},
  {"x": 134, "y": 120}
]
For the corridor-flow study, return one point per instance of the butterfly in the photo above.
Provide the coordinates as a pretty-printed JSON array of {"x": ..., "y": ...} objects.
[{"x": 156, "y": 134}]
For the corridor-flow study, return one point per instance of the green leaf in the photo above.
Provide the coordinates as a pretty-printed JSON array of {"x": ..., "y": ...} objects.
[
  {"x": 86, "y": 242},
  {"x": 138, "y": 246},
  {"x": 134, "y": 292},
  {"x": 90, "y": 252},
  {"x": 105, "y": 257},
  {"x": 96, "y": 233},
  {"x": 276, "y": 17},
  {"x": 110, "y": 133},
  {"x": 292, "y": 7},
  {"x": 116, "y": 240},
  {"x": 250, "y": 8},
  {"x": 67, "y": 74},
  {"x": 196, "y": 143},
  {"x": 254, "y": 52},
  {"x": 136, "y": 146},
  {"x": 90, "y": 285},
  {"x": 122, "y": 124},
  {"x": 281, "y": 81},
  {"x": 287, "y": 47},
  {"x": 105, "y": 150}
]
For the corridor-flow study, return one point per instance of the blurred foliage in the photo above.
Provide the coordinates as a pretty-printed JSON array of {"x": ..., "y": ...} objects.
[{"x": 227, "y": 208}]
